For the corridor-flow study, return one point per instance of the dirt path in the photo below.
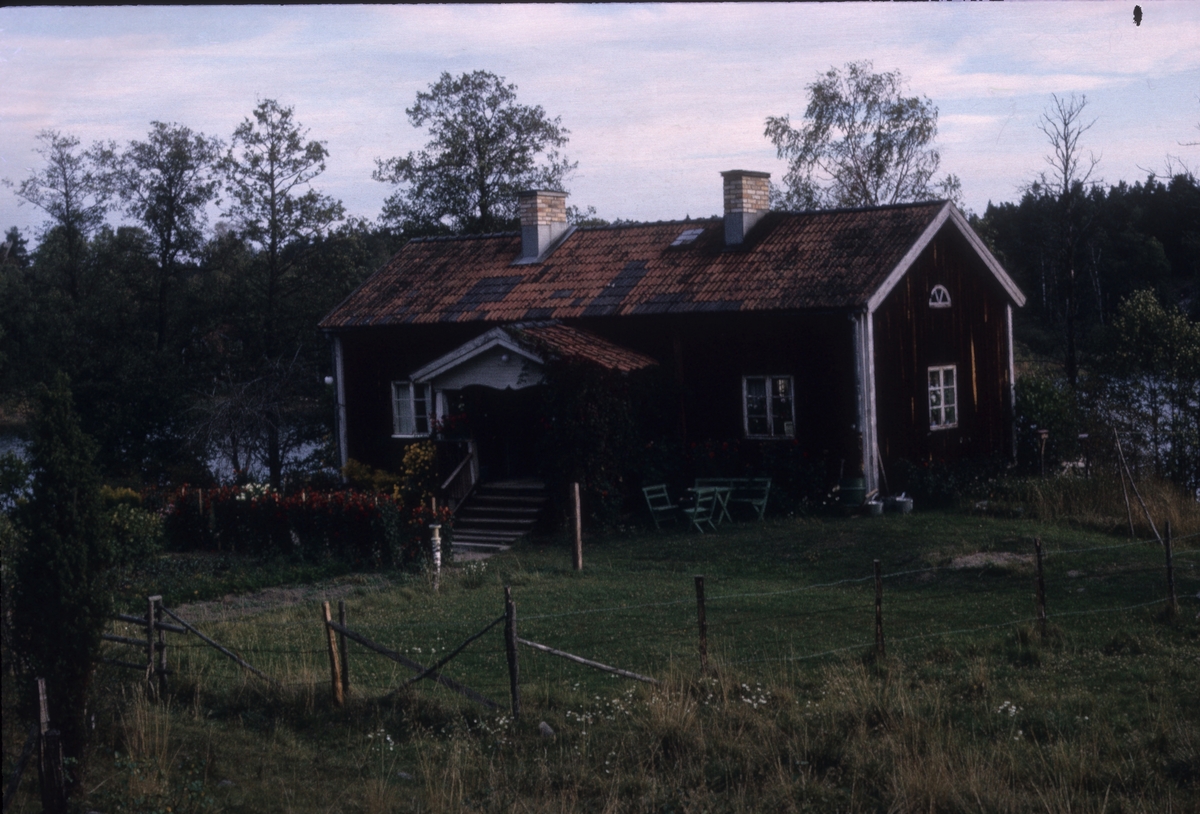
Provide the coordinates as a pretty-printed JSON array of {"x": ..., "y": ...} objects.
[{"x": 233, "y": 606}]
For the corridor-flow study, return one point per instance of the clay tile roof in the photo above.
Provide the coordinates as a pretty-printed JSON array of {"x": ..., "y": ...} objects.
[
  {"x": 802, "y": 260},
  {"x": 568, "y": 342}
]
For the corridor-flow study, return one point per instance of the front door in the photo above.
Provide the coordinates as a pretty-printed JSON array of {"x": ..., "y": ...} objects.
[{"x": 504, "y": 426}]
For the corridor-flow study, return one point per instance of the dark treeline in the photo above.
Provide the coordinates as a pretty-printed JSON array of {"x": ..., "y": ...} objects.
[
  {"x": 1112, "y": 277},
  {"x": 1130, "y": 238},
  {"x": 184, "y": 344}
]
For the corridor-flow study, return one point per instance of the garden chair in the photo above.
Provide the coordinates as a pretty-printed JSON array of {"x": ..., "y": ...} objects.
[
  {"x": 661, "y": 507},
  {"x": 702, "y": 512}
]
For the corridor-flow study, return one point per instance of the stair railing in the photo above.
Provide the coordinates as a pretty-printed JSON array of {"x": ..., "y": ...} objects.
[{"x": 462, "y": 480}]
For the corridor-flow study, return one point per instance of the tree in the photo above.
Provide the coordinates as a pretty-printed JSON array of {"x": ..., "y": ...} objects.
[
  {"x": 62, "y": 600},
  {"x": 269, "y": 169},
  {"x": 1149, "y": 377},
  {"x": 1066, "y": 184},
  {"x": 484, "y": 148},
  {"x": 166, "y": 183},
  {"x": 71, "y": 190},
  {"x": 863, "y": 143}
]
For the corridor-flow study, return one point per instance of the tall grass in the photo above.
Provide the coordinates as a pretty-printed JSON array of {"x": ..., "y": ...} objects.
[
  {"x": 1098, "y": 503},
  {"x": 1101, "y": 715}
]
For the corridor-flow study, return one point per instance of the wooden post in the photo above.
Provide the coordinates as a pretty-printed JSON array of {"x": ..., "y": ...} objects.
[
  {"x": 1136, "y": 493},
  {"x": 1125, "y": 492},
  {"x": 161, "y": 644},
  {"x": 702, "y": 623},
  {"x": 343, "y": 648},
  {"x": 54, "y": 780},
  {"x": 578, "y": 529},
  {"x": 510, "y": 647},
  {"x": 1172, "y": 602},
  {"x": 151, "y": 606},
  {"x": 1041, "y": 587},
  {"x": 50, "y": 759},
  {"x": 878, "y": 611},
  {"x": 335, "y": 670}
]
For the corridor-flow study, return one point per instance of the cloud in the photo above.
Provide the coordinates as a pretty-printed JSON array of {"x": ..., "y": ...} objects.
[{"x": 658, "y": 98}]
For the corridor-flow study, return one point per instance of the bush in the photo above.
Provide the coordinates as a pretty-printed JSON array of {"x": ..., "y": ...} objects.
[
  {"x": 942, "y": 484},
  {"x": 362, "y": 529}
]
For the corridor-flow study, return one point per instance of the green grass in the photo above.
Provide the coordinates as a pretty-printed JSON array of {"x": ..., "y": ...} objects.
[{"x": 971, "y": 710}]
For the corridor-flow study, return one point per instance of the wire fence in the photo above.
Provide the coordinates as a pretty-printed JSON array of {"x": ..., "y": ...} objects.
[{"x": 794, "y": 624}]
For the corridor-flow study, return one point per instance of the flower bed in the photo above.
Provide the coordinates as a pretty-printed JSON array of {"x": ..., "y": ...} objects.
[{"x": 363, "y": 529}]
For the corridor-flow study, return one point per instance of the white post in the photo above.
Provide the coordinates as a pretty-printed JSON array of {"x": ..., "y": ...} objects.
[
  {"x": 436, "y": 544},
  {"x": 340, "y": 411}
]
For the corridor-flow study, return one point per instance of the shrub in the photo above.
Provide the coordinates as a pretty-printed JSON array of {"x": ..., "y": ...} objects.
[
  {"x": 942, "y": 484},
  {"x": 362, "y": 529}
]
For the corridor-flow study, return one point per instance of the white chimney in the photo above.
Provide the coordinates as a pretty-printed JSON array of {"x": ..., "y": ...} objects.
[
  {"x": 747, "y": 198},
  {"x": 543, "y": 221}
]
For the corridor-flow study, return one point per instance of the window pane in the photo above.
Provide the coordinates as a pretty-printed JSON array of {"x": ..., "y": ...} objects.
[
  {"x": 949, "y": 395},
  {"x": 756, "y": 407},
  {"x": 421, "y": 409},
  {"x": 935, "y": 378},
  {"x": 935, "y": 398},
  {"x": 781, "y": 406},
  {"x": 951, "y": 416},
  {"x": 948, "y": 377},
  {"x": 402, "y": 409}
]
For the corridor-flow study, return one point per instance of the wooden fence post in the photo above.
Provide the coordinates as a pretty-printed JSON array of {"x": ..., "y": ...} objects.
[
  {"x": 50, "y": 759},
  {"x": 879, "y": 649},
  {"x": 335, "y": 670},
  {"x": 343, "y": 648},
  {"x": 510, "y": 648},
  {"x": 160, "y": 644},
  {"x": 1041, "y": 587},
  {"x": 1172, "y": 602},
  {"x": 702, "y": 623},
  {"x": 578, "y": 552},
  {"x": 151, "y": 606}
]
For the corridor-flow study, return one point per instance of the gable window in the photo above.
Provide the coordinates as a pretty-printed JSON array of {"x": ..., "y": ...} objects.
[
  {"x": 410, "y": 409},
  {"x": 768, "y": 407},
  {"x": 943, "y": 398},
  {"x": 939, "y": 297}
]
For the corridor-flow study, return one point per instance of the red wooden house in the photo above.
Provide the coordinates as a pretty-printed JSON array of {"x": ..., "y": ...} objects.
[{"x": 880, "y": 333}]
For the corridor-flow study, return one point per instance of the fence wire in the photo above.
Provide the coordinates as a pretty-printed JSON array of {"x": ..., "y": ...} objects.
[{"x": 769, "y": 625}]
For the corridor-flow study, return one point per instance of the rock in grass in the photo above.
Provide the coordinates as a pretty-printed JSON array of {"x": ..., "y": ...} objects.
[{"x": 545, "y": 730}]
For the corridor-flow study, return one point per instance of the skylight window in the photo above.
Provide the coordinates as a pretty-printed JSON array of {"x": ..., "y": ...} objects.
[{"x": 688, "y": 236}]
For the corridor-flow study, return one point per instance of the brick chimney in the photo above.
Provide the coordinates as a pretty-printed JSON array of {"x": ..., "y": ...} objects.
[
  {"x": 747, "y": 198},
  {"x": 543, "y": 221}
]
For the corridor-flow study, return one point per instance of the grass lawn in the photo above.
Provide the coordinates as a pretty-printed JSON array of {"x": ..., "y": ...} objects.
[{"x": 970, "y": 710}]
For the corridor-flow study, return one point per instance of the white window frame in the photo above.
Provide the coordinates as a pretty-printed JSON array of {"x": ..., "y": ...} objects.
[
  {"x": 938, "y": 404},
  {"x": 411, "y": 423},
  {"x": 939, "y": 297},
  {"x": 785, "y": 423}
]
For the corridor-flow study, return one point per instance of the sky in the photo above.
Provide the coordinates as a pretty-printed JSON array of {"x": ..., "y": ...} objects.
[{"x": 658, "y": 99}]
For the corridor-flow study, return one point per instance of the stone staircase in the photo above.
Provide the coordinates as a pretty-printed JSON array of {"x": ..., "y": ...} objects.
[{"x": 495, "y": 515}]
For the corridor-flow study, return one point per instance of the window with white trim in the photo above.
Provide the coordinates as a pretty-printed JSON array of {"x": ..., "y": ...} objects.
[
  {"x": 943, "y": 397},
  {"x": 939, "y": 297},
  {"x": 768, "y": 406},
  {"x": 410, "y": 409}
]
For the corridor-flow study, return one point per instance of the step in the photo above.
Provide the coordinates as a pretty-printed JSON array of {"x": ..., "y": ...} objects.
[
  {"x": 495, "y": 521},
  {"x": 497, "y": 510},
  {"x": 484, "y": 496}
]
